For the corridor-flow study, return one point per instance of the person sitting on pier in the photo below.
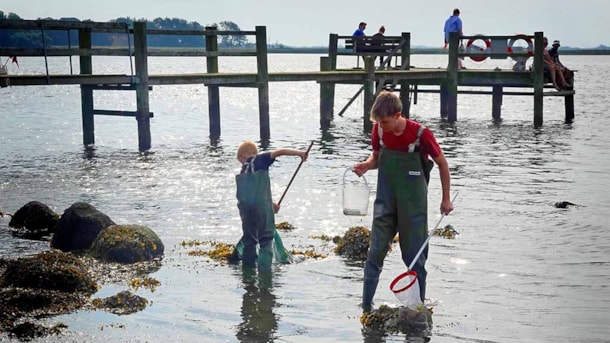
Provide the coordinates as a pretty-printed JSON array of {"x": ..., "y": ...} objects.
[
  {"x": 359, "y": 36},
  {"x": 377, "y": 43},
  {"x": 567, "y": 73},
  {"x": 552, "y": 70}
]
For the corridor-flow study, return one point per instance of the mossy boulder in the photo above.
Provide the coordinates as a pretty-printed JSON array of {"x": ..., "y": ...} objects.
[
  {"x": 127, "y": 244},
  {"x": 49, "y": 270},
  {"x": 386, "y": 319},
  {"x": 122, "y": 303},
  {"x": 354, "y": 245},
  {"x": 78, "y": 227},
  {"x": 33, "y": 221}
]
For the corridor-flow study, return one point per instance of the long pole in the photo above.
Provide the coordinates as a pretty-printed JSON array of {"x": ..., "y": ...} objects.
[{"x": 293, "y": 175}]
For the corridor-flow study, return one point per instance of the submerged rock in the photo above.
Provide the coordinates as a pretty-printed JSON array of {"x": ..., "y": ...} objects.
[
  {"x": 127, "y": 244},
  {"x": 78, "y": 227},
  {"x": 446, "y": 232},
  {"x": 33, "y": 221},
  {"x": 402, "y": 319},
  {"x": 564, "y": 204},
  {"x": 354, "y": 244},
  {"x": 122, "y": 303}
]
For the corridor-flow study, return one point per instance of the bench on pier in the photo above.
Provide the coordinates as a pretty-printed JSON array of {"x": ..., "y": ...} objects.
[{"x": 373, "y": 46}]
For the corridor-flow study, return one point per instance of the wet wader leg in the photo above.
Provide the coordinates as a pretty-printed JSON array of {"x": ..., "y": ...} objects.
[
  {"x": 265, "y": 239},
  {"x": 410, "y": 242},
  {"x": 250, "y": 220},
  {"x": 382, "y": 234}
]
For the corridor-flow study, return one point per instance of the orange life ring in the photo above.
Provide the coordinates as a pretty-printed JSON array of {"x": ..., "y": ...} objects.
[
  {"x": 530, "y": 46},
  {"x": 469, "y": 47}
]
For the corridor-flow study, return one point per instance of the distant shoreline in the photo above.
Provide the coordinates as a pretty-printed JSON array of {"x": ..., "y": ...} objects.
[{"x": 423, "y": 51}]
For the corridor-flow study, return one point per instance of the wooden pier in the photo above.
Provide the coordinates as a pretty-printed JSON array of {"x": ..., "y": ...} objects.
[{"x": 399, "y": 76}]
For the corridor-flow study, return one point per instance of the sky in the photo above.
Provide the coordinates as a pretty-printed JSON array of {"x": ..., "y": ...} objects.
[{"x": 578, "y": 23}]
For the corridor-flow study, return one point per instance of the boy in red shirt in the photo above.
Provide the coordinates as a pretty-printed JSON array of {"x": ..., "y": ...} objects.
[{"x": 400, "y": 151}]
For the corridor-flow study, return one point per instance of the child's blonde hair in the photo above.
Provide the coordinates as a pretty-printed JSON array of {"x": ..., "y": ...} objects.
[
  {"x": 247, "y": 148},
  {"x": 386, "y": 104}
]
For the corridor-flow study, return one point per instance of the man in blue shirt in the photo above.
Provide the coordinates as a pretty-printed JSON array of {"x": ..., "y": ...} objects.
[{"x": 454, "y": 24}]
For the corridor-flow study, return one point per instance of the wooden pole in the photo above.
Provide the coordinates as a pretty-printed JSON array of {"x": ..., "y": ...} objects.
[
  {"x": 452, "y": 76},
  {"x": 86, "y": 92},
  {"x": 141, "y": 63},
  {"x": 538, "y": 79},
  {"x": 405, "y": 64},
  {"x": 569, "y": 106},
  {"x": 211, "y": 47},
  {"x": 369, "y": 91},
  {"x": 496, "y": 104},
  {"x": 263, "y": 82},
  {"x": 327, "y": 96}
]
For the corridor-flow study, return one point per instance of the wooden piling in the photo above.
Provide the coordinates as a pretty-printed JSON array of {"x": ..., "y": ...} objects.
[
  {"x": 86, "y": 91},
  {"x": 263, "y": 82},
  {"x": 369, "y": 91},
  {"x": 496, "y": 102},
  {"x": 211, "y": 47},
  {"x": 142, "y": 99},
  {"x": 405, "y": 64},
  {"x": 538, "y": 79},
  {"x": 327, "y": 95},
  {"x": 452, "y": 78},
  {"x": 569, "y": 107}
]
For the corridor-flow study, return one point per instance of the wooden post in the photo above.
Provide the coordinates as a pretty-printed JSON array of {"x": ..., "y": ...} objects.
[
  {"x": 263, "y": 82},
  {"x": 327, "y": 96},
  {"x": 86, "y": 92},
  {"x": 538, "y": 79},
  {"x": 405, "y": 64},
  {"x": 452, "y": 80},
  {"x": 496, "y": 104},
  {"x": 141, "y": 63},
  {"x": 369, "y": 91},
  {"x": 211, "y": 47},
  {"x": 332, "y": 50},
  {"x": 569, "y": 105}
]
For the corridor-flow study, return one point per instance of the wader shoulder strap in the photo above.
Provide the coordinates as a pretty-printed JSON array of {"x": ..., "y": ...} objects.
[
  {"x": 250, "y": 166},
  {"x": 412, "y": 146}
]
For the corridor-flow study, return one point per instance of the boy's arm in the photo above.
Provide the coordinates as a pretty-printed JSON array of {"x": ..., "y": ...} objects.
[
  {"x": 289, "y": 152},
  {"x": 443, "y": 171},
  {"x": 370, "y": 163}
]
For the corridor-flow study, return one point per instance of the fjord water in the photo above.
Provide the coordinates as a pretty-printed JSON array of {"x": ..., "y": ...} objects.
[{"x": 520, "y": 270}]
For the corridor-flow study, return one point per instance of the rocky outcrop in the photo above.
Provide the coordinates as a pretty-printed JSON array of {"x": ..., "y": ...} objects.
[
  {"x": 34, "y": 220},
  {"x": 78, "y": 227},
  {"x": 127, "y": 244}
]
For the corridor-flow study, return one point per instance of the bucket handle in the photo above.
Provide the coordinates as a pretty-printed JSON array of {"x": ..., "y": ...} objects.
[{"x": 352, "y": 169}]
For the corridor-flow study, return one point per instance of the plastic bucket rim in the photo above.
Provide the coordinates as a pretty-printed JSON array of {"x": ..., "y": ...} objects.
[{"x": 401, "y": 276}]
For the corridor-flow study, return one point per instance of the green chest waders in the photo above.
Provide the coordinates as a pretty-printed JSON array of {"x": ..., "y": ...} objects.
[
  {"x": 258, "y": 222},
  {"x": 401, "y": 206}
]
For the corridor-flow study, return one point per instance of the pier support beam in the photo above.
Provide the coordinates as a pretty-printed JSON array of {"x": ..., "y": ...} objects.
[
  {"x": 569, "y": 106},
  {"x": 142, "y": 100},
  {"x": 327, "y": 95},
  {"x": 538, "y": 79},
  {"x": 452, "y": 78},
  {"x": 263, "y": 82},
  {"x": 86, "y": 92},
  {"x": 369, "y": 91},
  {"x": 496, "y": 103},
  {"x": 405, "y": 64},
  {"x": 211, "y": 46}
]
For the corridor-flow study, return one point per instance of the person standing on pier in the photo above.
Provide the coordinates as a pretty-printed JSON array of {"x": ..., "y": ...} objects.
[
  {"x": 359, "y": 36},
  {"x": 454, "y": 24},
  {"x": 400, "y": 151}
]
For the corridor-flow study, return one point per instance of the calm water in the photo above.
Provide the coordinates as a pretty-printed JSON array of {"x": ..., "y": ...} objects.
[{"x": 521, "y": 270}]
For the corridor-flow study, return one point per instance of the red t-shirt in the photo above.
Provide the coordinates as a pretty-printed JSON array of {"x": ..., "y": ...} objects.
[{"x": 427, "y": 143}]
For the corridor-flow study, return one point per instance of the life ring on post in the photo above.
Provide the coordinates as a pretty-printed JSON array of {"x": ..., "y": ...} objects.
[
  {"x": 511, "y": 43},
  {"x": 471, "y": 48}
]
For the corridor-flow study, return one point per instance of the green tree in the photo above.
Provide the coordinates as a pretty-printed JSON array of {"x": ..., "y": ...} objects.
[{"x": 231, "y": 41}]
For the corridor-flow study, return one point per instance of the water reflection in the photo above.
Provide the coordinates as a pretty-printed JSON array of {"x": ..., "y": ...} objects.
[{"x": 259, "y": 321}]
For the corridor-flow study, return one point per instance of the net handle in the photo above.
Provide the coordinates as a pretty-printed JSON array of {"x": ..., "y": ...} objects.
[{"x": 430, "y": 234}]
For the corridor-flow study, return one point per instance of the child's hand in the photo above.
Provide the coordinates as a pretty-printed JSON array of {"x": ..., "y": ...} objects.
[
  {"x": 361, "y": 168},
  {"x": 304, "y": 154},
  {"x": 276, "y": 208}
]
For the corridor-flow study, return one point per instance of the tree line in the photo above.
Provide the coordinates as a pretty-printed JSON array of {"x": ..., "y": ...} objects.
[{"x": 34, "y": 39}]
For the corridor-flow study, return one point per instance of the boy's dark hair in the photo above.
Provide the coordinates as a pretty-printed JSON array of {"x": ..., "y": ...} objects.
[
  {"x": 386, "y": 104},
  {"x": 456, "y": 11}
]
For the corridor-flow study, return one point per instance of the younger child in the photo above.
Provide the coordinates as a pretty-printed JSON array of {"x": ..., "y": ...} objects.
[
  {"x": 255, "y": 204},
  {"x": 400, "y": 150}
]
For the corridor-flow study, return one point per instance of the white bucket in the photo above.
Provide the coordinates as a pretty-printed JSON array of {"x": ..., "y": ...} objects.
[
  {"x": 406, "y": 289},
  {"x": 355, "y": 196}
]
